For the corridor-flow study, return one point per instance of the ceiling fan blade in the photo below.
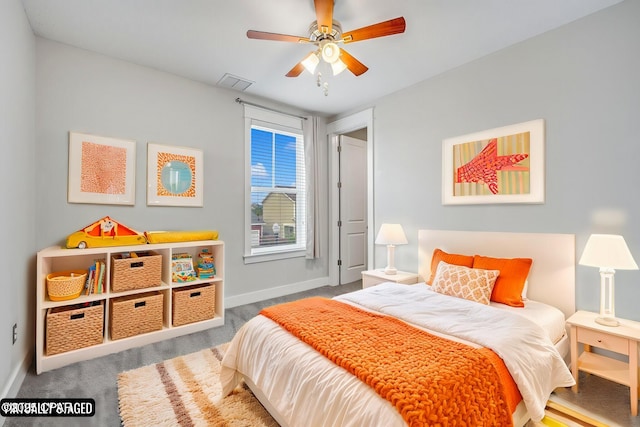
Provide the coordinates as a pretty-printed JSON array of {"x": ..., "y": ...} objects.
[
  {"x": 381, "y": 29},
  {"x": 355, "y": 66},
  {"x": 296, "y": 70},
  {"x": 261, "y": 35},
  {"x": 324, "y": 15}
]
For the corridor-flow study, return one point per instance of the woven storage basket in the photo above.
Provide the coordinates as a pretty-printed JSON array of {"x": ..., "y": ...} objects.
[
  {"x": 74, "y": 326},
  {"x": 135, "y": 314},
  {"x": 193, "y": 304},
  {"x": 66, "y": 285},
  {"x": 140, "y": 272}
]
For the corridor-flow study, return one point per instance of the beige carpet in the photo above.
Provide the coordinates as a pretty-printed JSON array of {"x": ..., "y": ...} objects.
[{"x": 186, "y": 391}]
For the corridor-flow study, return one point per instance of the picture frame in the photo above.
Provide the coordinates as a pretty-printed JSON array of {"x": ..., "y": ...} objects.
[
  {"x": 174, "y": 176},
  {"x": 101, "y": 170},
  {"x": 501, "y": 165}
]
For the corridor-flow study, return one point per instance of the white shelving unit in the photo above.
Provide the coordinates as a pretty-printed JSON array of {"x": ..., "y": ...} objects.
[{"x": 56, "y": 259}]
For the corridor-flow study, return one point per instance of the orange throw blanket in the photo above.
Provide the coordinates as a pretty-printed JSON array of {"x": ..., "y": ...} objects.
[{"x": 430, "y": 380}]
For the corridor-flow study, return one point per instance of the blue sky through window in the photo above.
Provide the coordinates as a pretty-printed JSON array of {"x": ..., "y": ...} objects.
[{"x": 273, "y": 160}]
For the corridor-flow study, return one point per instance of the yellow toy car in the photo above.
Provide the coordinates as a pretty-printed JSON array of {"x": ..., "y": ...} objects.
[{"x": 105, "y": 232}]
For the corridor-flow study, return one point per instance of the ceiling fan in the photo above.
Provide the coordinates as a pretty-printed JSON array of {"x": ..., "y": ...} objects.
[{"x": 326, "y": 33}]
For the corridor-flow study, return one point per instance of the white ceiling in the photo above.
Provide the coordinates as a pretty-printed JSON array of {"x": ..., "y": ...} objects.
[{"x": 204, "y": 39}]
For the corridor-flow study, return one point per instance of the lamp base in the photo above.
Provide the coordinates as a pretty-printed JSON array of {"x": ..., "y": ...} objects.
[
  {"x": 607, "y": 321},
  {"x": 607, "y": 310},
  {"x": 390, "y": 268}
]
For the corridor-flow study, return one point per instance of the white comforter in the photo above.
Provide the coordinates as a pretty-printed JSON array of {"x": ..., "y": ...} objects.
[
  {"x": 303, "y": 386},
  {"x": 533, "y": 361}
]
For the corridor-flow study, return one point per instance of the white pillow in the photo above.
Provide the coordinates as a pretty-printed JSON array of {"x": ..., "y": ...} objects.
[{"x": 473, "y": 284}]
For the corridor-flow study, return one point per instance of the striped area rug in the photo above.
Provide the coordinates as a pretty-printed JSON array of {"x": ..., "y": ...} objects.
[{"x": 186, "y": 391}]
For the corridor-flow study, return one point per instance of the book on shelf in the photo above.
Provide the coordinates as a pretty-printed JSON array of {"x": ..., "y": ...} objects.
[
  {"x": 88, "y": 286},
  {"x": 95, "y": 278},
  {"x": 101, "y": 266},
  {"x": 182, "y": 268}
]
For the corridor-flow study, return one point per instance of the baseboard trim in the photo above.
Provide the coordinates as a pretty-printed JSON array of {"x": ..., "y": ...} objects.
[
  {"x": 279, "y": 291},
  {"x": 16, "y": 379}
]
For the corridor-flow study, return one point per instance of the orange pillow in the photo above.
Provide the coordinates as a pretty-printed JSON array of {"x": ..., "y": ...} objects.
[
  {"x": 455, "y": 259},
  {"x": 510, "y": 282}
]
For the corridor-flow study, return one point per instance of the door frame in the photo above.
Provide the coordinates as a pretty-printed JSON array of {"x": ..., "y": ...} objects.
[{"x": 363, "y": 119}]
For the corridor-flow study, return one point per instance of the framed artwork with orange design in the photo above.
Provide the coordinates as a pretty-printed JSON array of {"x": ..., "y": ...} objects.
[
  {"x": 501, "y": 165},
  {"x": 174, "y": 176},
  {"x": 101, "y": 170}
]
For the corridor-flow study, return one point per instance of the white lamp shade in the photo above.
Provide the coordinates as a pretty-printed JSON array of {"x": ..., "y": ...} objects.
[
  {"x": 391, "y": 234},
  {"x": 330, "y": 51},
  {"x": 338, "y": 67},
  {"x": 311, "y": 62},
  {"x": 607, "y": 251}
]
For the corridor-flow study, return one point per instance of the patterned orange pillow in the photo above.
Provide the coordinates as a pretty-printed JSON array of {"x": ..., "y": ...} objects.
[
  {"x": 510, "y": 283},
  {"x": 473, "y": 284},
  {"x": 455, "y": 259}
]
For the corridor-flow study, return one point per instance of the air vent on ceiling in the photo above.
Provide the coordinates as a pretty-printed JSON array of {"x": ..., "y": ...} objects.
[{"x": 234, "y": 82}]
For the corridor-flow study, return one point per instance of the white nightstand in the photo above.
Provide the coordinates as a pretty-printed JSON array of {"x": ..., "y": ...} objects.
[
  {"x": 621, "y": 339},
  {"x": 374, "y": 277}
]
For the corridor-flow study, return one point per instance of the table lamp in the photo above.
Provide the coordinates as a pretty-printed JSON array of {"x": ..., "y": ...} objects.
[
  {"x": 609, "y": 252},
  {"x": 391, "y": 235}
]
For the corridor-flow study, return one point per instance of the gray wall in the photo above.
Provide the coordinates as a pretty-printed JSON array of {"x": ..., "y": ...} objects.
[
  {"x": 82, "y": 91},
  {"x": 583, "y": 80},
  {"x": 18, "y": 192}
]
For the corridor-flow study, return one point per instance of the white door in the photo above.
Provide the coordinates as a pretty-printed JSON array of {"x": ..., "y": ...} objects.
[{"x": 353, "y": 208}]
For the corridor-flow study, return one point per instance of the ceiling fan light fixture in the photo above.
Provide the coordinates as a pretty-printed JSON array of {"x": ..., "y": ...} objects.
[
  {"x": 326, "y": 34},
  {"x": 330, "y": 51},
  {"x": 338, "y": 66},
  {"x": 311, "y": 62}
]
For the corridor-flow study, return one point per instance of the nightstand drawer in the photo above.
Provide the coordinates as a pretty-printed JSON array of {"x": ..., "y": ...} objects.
[
  {"x": 368, "y": 281},
  {"x": 375, "y": 277},
  {"x": 603, "y": 340}
]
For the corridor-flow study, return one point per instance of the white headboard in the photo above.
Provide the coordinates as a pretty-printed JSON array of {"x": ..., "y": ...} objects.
[{"x": 552, "y": 275}]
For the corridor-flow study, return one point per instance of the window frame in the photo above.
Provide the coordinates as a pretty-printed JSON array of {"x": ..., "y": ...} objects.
[{"x": 290, "y": 125}]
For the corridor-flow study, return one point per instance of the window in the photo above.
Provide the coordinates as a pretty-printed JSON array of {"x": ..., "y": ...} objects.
[{"x": 276, "y": 198}]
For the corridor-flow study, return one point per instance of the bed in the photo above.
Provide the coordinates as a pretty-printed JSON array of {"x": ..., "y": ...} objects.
[{"x": 299, "y": 384}]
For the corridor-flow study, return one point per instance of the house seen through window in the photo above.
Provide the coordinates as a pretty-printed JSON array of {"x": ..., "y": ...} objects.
[{"x": 277, "y": 190}]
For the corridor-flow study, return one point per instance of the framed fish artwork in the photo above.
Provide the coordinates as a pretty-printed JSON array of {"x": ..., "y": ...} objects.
[{"x": 501, "y": 165}]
